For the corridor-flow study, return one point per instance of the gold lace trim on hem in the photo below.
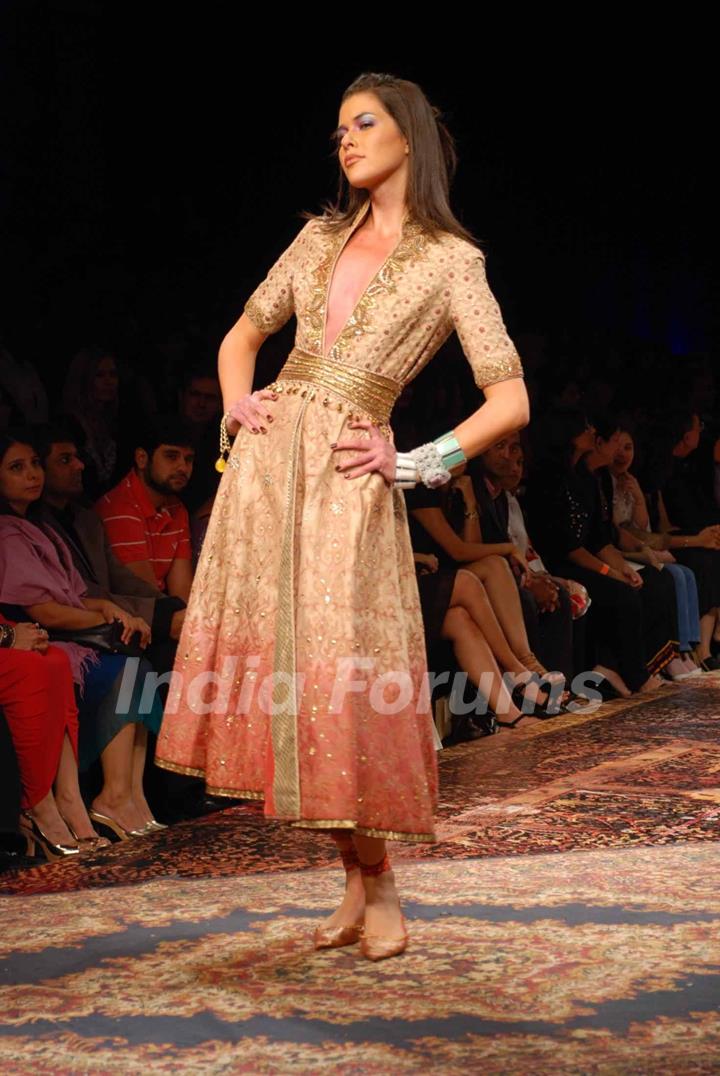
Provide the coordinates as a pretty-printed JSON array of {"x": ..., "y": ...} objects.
[
  {"x": 234, "y": 793},
  {"x": 364, "y": 831},
  {"x": 303, "y": 823},
  {"x": 190, "y": 771},
  {"x": 340, "y": 823}
]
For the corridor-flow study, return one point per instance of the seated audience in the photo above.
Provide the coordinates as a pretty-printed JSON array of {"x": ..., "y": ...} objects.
[
  {"x": 83, "y": 531},
  {"x": 201, "y": 408},
  {"x": 37, "y": 575},
  {"x": 145, "y": 521},
  {"x": 546, "y": 606},
  {"x": 517, "y": 532},
  {"x": 431, "y": 533},
  {"x": 569, "y": 508},
  {"x": 38, "y": 699},
  {"x": 455, "y": 607},
  {"x": 681, "y": 508},
  {"x": 638, "y": 543},
  {"x": 171, "y": 795},
  {"x": 23, "y": 388},
  {"x": 689, "y": 505},
  {"x": 91, "y": 408}
]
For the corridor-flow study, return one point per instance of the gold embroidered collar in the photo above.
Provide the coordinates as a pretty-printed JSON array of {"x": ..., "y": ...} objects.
[{"x": 410, "y": 245}]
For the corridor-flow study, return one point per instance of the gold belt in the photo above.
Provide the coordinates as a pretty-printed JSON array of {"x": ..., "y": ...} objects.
[{"x": 372, "y": 393}]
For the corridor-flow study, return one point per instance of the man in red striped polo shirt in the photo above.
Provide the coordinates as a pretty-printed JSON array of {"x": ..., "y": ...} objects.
[{"x": 146, "y": 523}]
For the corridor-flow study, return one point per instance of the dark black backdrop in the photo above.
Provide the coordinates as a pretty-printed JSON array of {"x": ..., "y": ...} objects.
[{"x": 155, "y": 159}]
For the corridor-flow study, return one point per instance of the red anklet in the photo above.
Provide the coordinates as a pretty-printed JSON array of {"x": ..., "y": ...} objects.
[
  {"x": 349, "y": 858},
  {"x": 346, "y": 848},
  {"x": 371, "y": 870}
]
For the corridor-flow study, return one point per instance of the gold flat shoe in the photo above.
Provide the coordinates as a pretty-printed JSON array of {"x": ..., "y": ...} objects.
[
  {"x": 336, "y": 937},
  {"x": 115, "y": 826},
  {"x": 34, "y": 836},
  {"x": 377, "y": 947}
]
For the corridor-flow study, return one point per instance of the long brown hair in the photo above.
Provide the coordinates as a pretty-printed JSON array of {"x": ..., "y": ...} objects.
[{"x": 433, "y": 159}]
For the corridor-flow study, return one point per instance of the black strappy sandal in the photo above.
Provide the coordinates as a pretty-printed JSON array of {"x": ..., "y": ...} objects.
[{"x": 543, "y": 710}]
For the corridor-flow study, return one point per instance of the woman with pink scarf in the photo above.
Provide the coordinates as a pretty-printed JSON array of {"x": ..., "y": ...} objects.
[{"x": 39, "y": 581}]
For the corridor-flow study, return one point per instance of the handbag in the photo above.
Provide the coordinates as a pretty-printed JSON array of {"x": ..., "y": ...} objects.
[{"x": 105, "y": 638}]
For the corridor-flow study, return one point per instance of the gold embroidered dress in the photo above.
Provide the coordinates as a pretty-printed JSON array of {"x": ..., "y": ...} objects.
[{"x": 302, "y": 659}]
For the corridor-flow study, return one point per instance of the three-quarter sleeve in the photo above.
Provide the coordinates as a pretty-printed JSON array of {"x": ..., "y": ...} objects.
[
  {"x": 272, "y": 304},
  {"x": 475, "y": 313}
]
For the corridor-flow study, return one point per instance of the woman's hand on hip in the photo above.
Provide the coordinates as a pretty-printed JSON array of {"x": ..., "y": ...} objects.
[
  {"x": 251, "y": 412},
  {"x": 376, "y": 454}
]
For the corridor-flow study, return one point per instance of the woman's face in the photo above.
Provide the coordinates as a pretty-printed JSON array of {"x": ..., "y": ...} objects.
[
  {"x": 371, "y": 146},
  {"x": 512, "y": 479},
  {"x": 105, "y": 381},
  {"x": 624, "y": 454},
  {"x": 605, "y": 450},
  {"x": 21, "y": 477}
]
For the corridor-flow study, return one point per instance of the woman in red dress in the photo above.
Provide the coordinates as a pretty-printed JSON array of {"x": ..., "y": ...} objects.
[{"x": 38, "y": 699}]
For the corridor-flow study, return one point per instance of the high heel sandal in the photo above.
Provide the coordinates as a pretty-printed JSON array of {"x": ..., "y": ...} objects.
[
  {"x": 539, "y": 709},
  {"x": 89, "y": 844},
  {"x": 153, "y": 826},
  {"x": 379, "y": 946},
  {"x": 116, "y": 827},
  {"x": 34, "y": 836},
  {"x": 337, "y": 937}
]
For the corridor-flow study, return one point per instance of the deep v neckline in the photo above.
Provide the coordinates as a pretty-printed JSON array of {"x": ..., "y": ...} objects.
[{"x": 359, "y": 219}]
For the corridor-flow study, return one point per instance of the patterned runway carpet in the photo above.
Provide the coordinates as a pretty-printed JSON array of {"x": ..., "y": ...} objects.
[{"x": 568, "y": 920}]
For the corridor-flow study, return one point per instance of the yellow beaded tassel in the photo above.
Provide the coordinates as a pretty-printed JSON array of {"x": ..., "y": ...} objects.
[{"x": 224, "y": 444}]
